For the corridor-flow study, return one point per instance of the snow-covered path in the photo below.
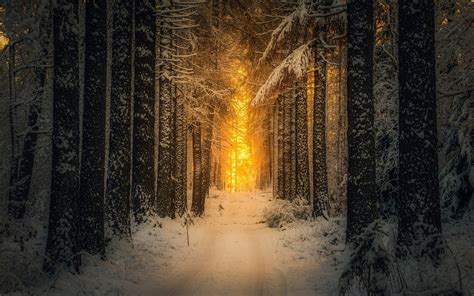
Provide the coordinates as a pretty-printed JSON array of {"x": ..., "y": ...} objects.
[{"x": 232, "y": 254}]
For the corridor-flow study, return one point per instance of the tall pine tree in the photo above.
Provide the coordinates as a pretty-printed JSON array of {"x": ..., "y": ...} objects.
[
  {"x": 143, "y": 180},
  {"x": 302, "y": 164},
  {"x": 361, "y": 189},
  {"x": 198, "y": 190},
  {"x": 91, "y": 201},
  {"x": 62, "y": 245},
  {"x": 166, "y": 151},
  {"x": 419, "y": 204},
  {"x": 320, "y": 176},
  {"x": 118, "y": 179}
]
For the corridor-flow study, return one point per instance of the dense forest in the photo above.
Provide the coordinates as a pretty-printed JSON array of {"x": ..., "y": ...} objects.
[{"x": 236, "y": 147}]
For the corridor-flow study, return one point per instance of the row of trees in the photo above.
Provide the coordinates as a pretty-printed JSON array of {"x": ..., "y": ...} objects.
[
  {"x": 119, "y": 76},
  {"x": 78, "y": 211},
  {"x": 416, "y": 192}
]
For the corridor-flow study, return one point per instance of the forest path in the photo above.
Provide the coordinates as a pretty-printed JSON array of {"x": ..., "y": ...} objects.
[{"x": 231, "y": 251}]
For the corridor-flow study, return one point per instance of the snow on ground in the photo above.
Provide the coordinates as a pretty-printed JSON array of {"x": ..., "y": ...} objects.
[{"x": 231, "y": 252}]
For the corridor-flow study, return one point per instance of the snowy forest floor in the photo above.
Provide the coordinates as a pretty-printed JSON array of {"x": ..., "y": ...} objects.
[{"x": 232, "y": 251}]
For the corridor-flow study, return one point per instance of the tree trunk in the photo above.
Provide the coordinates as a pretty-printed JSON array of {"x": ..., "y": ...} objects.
[
  {"x": 91, "y": 199},
  {"x": 419, "y": 204},
  {"x": 143, "y": 172},
  {"x": 361, "y": 189},
  {"x": 166, "y": 151},
  {"x": 198, "y": 192},
  {"x": 15, "y": 207},
  {"x": 275, "y": 148},
  {"x": 320, "y": 176},
  {"x": 287, "y": 146},
  {"x": 206, "y": 152},
  {"x": 118, "y": 180},
  {"x": 293, "y": 176},
  {"x": 302, "y": 166},
  {"x": 269, "y": 149},
  {"x": 280, "y": 142},
  {"x": 181, "y": 157},
  {"x": 62, "y": 245}
]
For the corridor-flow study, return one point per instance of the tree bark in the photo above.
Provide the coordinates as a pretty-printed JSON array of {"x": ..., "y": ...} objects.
[
  {"x": 118, "y": 179},
  {"x": 206, "y": 152},
  {"x": 198, "y": 192},
  {"x": 275, "y": 148},
  {"x": 62, "y": 245},
  {"x": 320, "y": 178},
  {"x": 302, "y": 165},
  {"x": 362, "y": 204},
  {"x": 292, "y": 97},
  {"x": 287, "y": 146},
  {"x": 280, "y": 142},
  {"x": 181, "y": 157},
  {"x": 419, "y": 204},
  {"x": 91, "y": 199},
  {"x": 143, "y": 172},
  {"x": 166, "y": 151}
]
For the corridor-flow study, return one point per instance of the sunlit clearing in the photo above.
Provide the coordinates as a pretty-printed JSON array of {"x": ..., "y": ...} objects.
[{"x": 240, "y": 171}]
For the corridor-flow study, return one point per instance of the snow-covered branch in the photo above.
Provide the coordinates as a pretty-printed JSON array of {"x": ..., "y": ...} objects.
[{"x": 296, "y": 63}]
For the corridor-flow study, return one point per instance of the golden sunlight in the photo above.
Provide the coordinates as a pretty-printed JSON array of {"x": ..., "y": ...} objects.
[{"x": 240, "y": 172}]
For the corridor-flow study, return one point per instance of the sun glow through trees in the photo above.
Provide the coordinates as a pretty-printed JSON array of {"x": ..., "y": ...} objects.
[{"x": 240, "y": 171}]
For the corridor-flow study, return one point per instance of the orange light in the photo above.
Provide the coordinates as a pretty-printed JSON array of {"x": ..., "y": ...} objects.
[{"x": 240, "y": 172}]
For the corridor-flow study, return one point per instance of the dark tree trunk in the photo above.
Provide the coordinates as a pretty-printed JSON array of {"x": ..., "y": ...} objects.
[
  {"x": 62, "y": 245},
  {"x": 287, "y": 146},
  {"x": 143, "y": 172},
  {"x": 293, "y": 175},
  {"x": 91, "y": 201},
  {"x": 15, "y": 207},
  {"x": 320, "y": 175},
  {"x": 419, "y": 203},
  {"x": 269, "y": 149},
  {"x": 275, "y": 148},
  {"x": 118, "y": 180},
  {"x": 302, "y": 165},
  {"x": 166, "y": 151},
  {"x": 361, "y": 189},
  {"x": 181, "y": 157},
  {"x": 198, "y": 192},
  {"x": 206, "y": 152},
  {"x": 280, "y": 143}
]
